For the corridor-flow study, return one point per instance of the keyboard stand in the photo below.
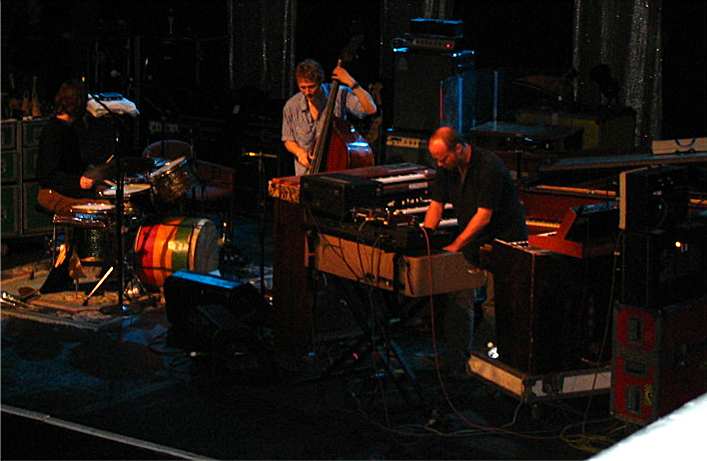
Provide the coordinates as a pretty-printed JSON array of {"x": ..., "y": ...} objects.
[{"x": 369, "y": 310}]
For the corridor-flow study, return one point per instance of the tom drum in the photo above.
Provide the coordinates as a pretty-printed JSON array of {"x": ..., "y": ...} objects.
[{"x": 172, "y": 180}]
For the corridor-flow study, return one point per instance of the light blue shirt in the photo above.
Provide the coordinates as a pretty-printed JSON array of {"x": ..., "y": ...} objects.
[{"x": 299, "y": 126}]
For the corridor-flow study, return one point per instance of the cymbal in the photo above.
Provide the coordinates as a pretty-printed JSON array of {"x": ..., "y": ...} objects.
[{"x": 130, "y": 166}]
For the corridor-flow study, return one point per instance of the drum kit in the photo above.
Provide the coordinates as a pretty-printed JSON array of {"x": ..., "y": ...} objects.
[{"x": 157, "y": 242}]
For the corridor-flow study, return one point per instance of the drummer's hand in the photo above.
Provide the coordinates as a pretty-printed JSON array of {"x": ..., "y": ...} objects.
[
  {"x": 343, "y": 76},
  {"x": 85, "y": 183}
]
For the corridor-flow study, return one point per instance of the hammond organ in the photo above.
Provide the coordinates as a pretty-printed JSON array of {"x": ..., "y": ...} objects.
[{"x": 382, "y": 205}]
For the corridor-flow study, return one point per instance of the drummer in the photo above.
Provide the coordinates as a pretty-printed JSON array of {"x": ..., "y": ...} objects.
[{"x": 62, "y": 171}]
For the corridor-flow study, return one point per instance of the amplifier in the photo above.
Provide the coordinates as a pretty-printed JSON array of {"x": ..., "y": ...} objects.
[
  {"x": 407, "y": 146},
  {"x": 427, "y": 42},
  {"x": 440, "y": 27},
  {"x": 658, "y": 359},
  {"x": 193, "y": 301}
]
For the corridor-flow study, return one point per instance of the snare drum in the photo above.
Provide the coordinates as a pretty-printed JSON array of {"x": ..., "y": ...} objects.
[
  {"x": 93, "y": 215},
  {"x": 174, "y": 244},
  {"x": 135, "y": 195},
  {"x": 172, "y": 180}
]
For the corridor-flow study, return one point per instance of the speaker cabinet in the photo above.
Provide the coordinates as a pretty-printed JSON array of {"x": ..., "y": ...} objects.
[
  {"x": 34, "y": 221},
  {"x": 419, "y": 78},
  {"x": 551, "y": 309},
  {"x": 10, "y": 211}
]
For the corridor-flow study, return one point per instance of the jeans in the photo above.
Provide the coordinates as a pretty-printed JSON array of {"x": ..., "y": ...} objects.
[
  {"x": 459, "y": 319},
  {"x": 458, "y": 325}
]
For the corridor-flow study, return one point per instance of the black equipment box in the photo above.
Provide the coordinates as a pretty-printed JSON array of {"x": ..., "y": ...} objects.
[
  {"x": 663, "y": 267},
  {"x": 335, "y": 194},
  {"x": 658, "y": 359},
  {"x": 653, "y": 198}
]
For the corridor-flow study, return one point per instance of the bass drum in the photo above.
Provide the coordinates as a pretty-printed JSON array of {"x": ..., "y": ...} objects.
[{"x": 175, "y": 244}]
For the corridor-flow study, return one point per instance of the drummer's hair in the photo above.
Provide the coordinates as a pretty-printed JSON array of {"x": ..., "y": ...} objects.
[
  {"x": 310, "y": 69},
  {"x": 71, "y": 98}
]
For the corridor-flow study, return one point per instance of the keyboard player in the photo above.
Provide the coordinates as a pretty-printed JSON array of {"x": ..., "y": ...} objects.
[{"x": 478, "y": 185}]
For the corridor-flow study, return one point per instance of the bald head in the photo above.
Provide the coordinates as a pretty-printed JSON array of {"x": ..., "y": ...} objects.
[
  {"x": 448, "y": 136},
  {"x": 448, "y": 148}
]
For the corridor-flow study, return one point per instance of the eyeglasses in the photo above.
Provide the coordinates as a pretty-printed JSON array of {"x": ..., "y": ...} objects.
[{"x": 444, "y": 160}]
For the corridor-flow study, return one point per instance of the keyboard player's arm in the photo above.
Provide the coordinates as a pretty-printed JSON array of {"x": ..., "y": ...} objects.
[
  {"x": 477, "y": 222},
  {"x": 433, "y": 214}
]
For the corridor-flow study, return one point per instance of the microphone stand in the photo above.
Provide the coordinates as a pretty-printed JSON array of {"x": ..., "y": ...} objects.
[
  {"x": 261, "y": 199},
  {"x": 119, "y": 191}
]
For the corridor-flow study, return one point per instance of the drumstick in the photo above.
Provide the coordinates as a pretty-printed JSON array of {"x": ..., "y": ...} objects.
[
  {"x": 109, "y": 182},
  {"x": 100, "y": 282}
]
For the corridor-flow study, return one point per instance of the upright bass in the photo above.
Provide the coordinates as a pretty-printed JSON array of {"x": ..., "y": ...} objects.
[{"x": 338, "y": 146}]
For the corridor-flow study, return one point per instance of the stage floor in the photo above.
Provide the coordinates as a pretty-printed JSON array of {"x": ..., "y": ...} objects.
[{"x": 128, "y": 389}]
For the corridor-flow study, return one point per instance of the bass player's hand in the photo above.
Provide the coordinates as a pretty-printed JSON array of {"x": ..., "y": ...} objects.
[{"x": 343, "y": 76}]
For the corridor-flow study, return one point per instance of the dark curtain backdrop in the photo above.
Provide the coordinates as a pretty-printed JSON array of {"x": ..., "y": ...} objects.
[
  {"x": 197, "y": 52},
  {"x": 262, "y": 44},
  {"x": 626, "y": 36}
]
